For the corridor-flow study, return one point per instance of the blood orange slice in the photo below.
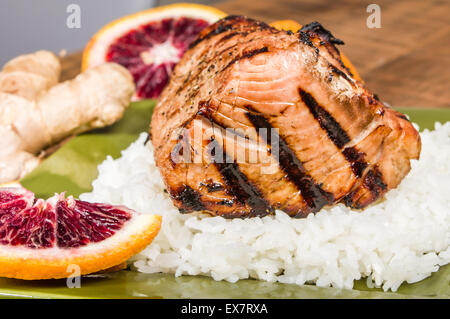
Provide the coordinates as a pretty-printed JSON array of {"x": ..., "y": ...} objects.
[
  {"x": 44, "y": 239},
  {"x": 150, "y": 43}
]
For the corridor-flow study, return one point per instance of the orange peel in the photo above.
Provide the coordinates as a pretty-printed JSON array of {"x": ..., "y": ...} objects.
[
  {"x": 31, "y": 264},
  {"x": 64, "y": 237}
]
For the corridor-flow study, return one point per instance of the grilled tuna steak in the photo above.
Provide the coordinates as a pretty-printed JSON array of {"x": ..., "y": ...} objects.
[{"x": 335, "y": 141}]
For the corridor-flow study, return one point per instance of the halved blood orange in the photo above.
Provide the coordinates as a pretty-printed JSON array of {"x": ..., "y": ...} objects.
[
  {"x": 287, "y": 25},
  {"x": 150, "y": 43},
  {"x": 43, "y": 239},
  {"x": 291, "y": 25}
]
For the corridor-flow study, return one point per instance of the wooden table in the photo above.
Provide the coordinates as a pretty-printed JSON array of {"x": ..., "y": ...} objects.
[{"x": 406, "y": 61}]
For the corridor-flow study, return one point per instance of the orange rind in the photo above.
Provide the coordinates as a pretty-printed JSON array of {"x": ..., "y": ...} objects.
[{"x": 64, "y": 237}]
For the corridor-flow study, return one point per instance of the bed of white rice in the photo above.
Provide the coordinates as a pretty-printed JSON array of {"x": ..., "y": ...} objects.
[{"x": 404, "y": 238}]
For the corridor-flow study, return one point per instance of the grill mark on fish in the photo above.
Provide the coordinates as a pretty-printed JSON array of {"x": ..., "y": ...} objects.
[
  {"x": 339, "y": 72},
  {"x": 226, "y": 24},
  {"x": 326, "y": 120},
  {"x": 240, "y": 187},
  {"x": 336, "y": 55},
  {"x": 314, "y": 196},
  {"x": 356, "y": 160},
  {"x": 237, "y": 183},
  {"x": 231, "y": 35},
  {"x": 336, "y": 133},
  {"x": 260, "y": 24},
  {"x": 246, "y": 55},
  {"x": 220, "y": 29},
  {"x": 341, "y": 63},
  {"x": 373, "y": 181},
  {"x": 189, "y": 197}
]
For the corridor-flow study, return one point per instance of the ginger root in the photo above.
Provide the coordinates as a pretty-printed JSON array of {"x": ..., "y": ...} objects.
[
  {"x": 37, "y": 113},
  {"x": 30, "y": 74}
]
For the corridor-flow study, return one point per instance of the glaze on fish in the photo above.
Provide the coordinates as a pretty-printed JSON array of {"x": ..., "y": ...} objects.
[{"x": 336, "y": 142}]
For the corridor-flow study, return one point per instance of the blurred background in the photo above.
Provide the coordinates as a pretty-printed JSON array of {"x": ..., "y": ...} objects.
[
  {"x": 406, "y": 61},
  {"x": 30, "y": 25}
]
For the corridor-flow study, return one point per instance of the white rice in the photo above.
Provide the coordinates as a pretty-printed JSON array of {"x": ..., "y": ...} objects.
[{"x": 404, "y": 238}]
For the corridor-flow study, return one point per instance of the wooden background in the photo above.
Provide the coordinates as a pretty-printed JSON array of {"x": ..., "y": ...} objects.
[{"x": 406, "y": 61}]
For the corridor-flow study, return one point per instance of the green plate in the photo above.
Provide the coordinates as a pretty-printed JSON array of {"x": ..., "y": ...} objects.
[{"x": 72, "y": 169}]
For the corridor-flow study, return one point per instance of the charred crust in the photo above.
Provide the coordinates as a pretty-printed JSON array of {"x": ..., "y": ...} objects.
[
  {"x": 246, "y": 214},
  {"x": 315, "y": 28},
  {"x": 348, "y": 200},
  {"x": 304, "y": 38},
  {"x": 233, "y": 34},
  {"x": 356, "y": 160},
  {"x": 212, "y": 186},
  {"x": 190, "y": 199},
  {"x": 238, "y": 18},
  {"x": 218, "y": 28},
  {"x": 226, "y": 202},
  {"x": 300, "y": 214},
  {"x": 373, "y": 182},
  {"x": 235, "y": 18},
  {"x": 327, "y": 40}
]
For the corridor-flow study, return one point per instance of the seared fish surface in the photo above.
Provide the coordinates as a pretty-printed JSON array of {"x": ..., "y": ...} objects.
[{"x": 286, "y": 99}]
